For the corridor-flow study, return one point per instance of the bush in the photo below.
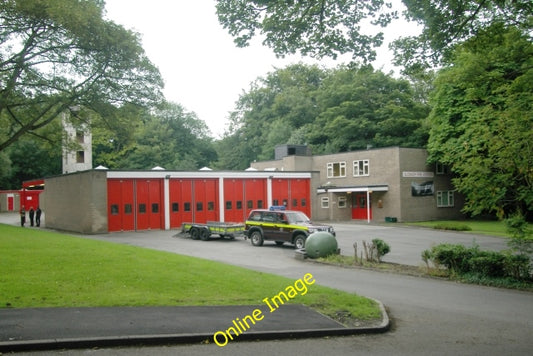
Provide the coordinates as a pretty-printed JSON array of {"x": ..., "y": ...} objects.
[
  {"x": 382, "y": 247},
  {"x": 454, "y": 227},
  {"x": 488, "y": 264},
  {"x": 454, "y": 257},
  {"x": 517, "y": 266},
  {"x": 464, "y": 261},
  {"x": 521, "y": 239}
]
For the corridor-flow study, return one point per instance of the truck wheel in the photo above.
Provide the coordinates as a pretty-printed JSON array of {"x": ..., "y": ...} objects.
[
  {"x": 256, "y": 238},
  {"x": 299, "y": 241},
  {"x": 204, "y": 234},
  {"x": 195, "y": 234}
]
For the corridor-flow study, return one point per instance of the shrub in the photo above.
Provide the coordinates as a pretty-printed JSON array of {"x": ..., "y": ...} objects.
[
  {"x": 521, "y": 239},
  {"x": 382, "y": 247},
  {"x": 517, "y": 266},
  {"x": 488, "y": 264},
  {"x": 471, "y": 261},
  {"x": 454, "y": 227},
  {"x": 453, "y": 257}
]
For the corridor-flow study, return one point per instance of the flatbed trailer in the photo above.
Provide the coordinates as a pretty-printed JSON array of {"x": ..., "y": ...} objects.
[{"x": 204, "y": 231}]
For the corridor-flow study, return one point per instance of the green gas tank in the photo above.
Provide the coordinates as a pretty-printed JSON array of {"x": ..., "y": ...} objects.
[{"x": 320, "y": 244}]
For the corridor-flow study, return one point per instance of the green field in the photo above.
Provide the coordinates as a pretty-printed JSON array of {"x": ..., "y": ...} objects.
[{"x": 40, "y": 268}]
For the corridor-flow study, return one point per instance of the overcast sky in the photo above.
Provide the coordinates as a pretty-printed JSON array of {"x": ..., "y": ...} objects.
[{"x": 202, "y": 69}]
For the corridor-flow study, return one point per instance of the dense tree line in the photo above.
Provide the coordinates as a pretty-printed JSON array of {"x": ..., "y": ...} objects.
[{"x": 331, "y": 110}]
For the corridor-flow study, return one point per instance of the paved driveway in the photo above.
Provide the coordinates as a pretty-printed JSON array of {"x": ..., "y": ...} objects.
[
  {"x": 429, "y": 316},
  {"x": 407, "y": 243}
]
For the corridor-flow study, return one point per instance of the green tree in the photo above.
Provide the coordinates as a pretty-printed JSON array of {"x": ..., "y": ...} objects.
[
  {"x": 113, "y": 133},
  {"x": 448, "y": 23},
  {"x": 482, "y": 121},
  {"x": 361, "y": 107},
  {"x": 283, "y": 101},
  {"x": 319, "y": 28},
  {"x": 172, "y": 138},
  {"x": 60, "y": 54},
  {"x": 331, "y": 110}
]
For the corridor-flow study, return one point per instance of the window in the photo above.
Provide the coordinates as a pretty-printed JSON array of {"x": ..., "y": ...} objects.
[
  {"x": 250, "y": 204},
  {"x": 228, "y": 205},
  {"x": 445, "y": 199},
  {"x": 304, "y": 202},
  {"x": 238, "y": 204},
  {"x": 114, "y": 209},
  {"x": 210, "y": 205},
  {"x": 175, "y": 207},
  {"x": 441, "y": 168},
  {"x": 80, "y": 157},
  {"x": 128, "y": 208},
  {"x": 361, "y": 168},
  {"x": 187, "y": 206},
  {"x": 275, "y": 202},
  {"x": 80, "y": 137},
  {"x": 336, "y": 169},
  {"x": 155, "y": 208},
  {"x": 256, "y": 216},
  {"x": 199, "y": 206},
  {"x": 324, "y": 202},
  {"x": 295, "y": 202},
  {"x": 259, "y": 204},
  {"x": 342, "y": 202},
  {"x": 142, "y": 208}
]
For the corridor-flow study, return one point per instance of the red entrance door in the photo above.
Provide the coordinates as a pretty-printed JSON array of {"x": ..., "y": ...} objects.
[
  {"x": 360, "y": 208},
  {"x": 10, "y": 203}
]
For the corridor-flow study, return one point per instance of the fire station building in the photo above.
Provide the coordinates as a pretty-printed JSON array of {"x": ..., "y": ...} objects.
[
  {"x": 99, "y": 201},
  {"x": 380, "y": 185}
]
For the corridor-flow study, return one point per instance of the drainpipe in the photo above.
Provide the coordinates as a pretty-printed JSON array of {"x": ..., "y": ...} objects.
[{"x": 368, "y": 205}]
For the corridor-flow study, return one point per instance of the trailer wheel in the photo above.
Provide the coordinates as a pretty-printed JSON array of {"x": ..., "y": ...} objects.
[
  {"x": 194, "y": 233},
  {"x": 205, "y": 233}
]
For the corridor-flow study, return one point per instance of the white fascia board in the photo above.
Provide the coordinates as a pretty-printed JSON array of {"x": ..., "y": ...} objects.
[
  {"x": 205, "y": 174},
  {"x": 370, "y": 188}
]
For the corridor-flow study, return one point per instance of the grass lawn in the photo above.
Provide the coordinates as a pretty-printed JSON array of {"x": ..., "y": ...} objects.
[
  {"x": 40, "y": 268},
  {"x": 494, "y": 228}
]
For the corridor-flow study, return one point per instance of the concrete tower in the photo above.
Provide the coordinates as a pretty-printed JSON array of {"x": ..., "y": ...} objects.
[{"x": 77, "y": 147}]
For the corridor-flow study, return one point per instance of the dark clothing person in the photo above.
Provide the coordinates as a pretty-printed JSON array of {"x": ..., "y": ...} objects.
[
  {"x": 22, "y": 217},
  {"x": 38, "y": 217},
  {"x": 32, "y": 215}
]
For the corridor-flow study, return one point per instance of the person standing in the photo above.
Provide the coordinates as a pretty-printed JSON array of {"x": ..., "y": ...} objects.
[
  {"x": 32, "y": 215},
  {"x": 38, "y": 216},
  {"x": 22, "y": 216}
]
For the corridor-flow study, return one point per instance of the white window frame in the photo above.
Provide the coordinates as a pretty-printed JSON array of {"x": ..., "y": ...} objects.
[
  {"x": 341, "y": 169},
  {"x": 324, "y": 202},
  {"x": 342, "y": 202},
  {"x": 365, "y": 163},
  {"x": 441, "y": 168},
  {"x": 447, "y": 195}
]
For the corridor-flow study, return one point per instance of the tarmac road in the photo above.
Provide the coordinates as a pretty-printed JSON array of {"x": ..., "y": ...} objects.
[{"x": 429, "y": 316}]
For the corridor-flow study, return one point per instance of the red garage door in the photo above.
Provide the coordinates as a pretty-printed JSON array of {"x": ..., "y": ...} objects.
[
  {"x": 120, "y": 205},
  {"x": 299, "y": 195},
  {"x": 293, "y": 193},
  {"x": 180, "y": 191},
  {"x": 255, "y": 194},
  {"x": 233, "y": 200},
  {"x": 205, "y": 207},
  {"x": 148, "y": 196}
]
